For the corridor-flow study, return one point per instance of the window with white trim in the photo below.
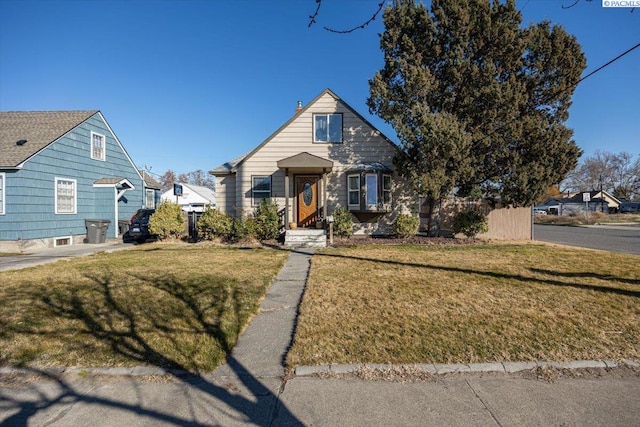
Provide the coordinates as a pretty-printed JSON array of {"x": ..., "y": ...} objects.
[
  {"x": 371, "y": 190},
  {"x": 327, "y": 128},
  {"x": 66, "y": 200},
  {"x": 2, "y": 178},
  {"x": 98, "y": 143},
  {"x": 386, "y": 189},
  {"x": 354, "y": 190},
  {"x": 260, "y": 189},
  {"x": 149, "y": 198}
]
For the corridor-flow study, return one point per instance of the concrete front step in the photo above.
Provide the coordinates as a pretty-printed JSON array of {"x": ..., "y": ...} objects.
[{"x": 305, "y": 238}]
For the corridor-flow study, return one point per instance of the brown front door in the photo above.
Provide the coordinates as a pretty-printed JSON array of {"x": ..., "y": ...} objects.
[{"x": 307, "y": 195}]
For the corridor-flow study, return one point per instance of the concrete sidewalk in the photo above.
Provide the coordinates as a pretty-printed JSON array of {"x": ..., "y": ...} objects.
[{"x": 251, "y": 389}]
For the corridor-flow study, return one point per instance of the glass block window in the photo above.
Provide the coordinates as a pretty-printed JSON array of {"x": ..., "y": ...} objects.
[{"x": 65, "y": 196}]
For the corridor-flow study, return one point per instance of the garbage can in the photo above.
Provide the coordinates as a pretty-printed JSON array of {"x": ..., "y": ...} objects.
[
  {"x": 96, "y": 230},
  {"x": 123, "y": 227}
]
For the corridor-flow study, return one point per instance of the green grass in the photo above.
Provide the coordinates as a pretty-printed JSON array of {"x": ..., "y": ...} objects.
[
  {"x": 174, "y": 306},
  {"x": 468, "y": 304}
]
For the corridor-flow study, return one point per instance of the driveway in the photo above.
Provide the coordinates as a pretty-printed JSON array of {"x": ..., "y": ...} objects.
[
  {"x": 47, "y": 255},
  {"x": 624, "y": 238}
]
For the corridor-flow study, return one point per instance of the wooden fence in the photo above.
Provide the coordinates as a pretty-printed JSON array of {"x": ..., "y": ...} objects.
[{"x": 505, "y": 223}]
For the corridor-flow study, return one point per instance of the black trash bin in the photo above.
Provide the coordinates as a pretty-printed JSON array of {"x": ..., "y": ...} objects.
[{"x": 96, "y": 230}]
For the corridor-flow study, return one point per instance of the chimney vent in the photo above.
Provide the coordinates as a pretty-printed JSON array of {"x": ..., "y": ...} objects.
[
  {"x": 299, "y": 107},
  {"x": 21, "y": 142}
]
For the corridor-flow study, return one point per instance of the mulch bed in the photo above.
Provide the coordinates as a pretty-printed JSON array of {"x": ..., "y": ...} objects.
[{"x": 392, "y": 240}]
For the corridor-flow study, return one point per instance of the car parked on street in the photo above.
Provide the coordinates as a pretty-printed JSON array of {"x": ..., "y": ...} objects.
[
  {"x": 629, "y": 207},
  {"x": 139, "y": 225}
]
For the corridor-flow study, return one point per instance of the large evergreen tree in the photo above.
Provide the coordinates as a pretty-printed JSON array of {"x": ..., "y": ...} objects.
[{"x": 477, "y": 101}]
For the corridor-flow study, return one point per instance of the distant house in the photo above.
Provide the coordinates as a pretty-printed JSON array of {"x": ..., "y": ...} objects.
[
  {"x": 575, "y": 203},
  {"x": 152, "y": 192},
  {"x": 58, "y": 169},
  {"x": 194, "y": 198}
]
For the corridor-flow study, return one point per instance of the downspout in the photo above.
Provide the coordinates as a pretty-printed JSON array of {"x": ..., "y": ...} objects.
[
  {"x": 115, "y": 210},
  {"x": 119, "y": 194}
]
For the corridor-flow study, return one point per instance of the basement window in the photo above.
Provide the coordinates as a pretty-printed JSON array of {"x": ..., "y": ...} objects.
[{"x": 62, "y": 241}]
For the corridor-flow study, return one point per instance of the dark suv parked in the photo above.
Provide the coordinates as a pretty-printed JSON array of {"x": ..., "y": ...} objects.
[{"x": 139, "y": 225}]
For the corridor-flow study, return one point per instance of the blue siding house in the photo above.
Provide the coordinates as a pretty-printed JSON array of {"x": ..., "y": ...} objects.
[{"x": 58, "y": 169}]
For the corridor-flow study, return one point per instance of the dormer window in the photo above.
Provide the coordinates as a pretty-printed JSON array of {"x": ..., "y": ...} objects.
[
  {"x": 327, "y": 128},
  {"x": 97, "y": 146}
]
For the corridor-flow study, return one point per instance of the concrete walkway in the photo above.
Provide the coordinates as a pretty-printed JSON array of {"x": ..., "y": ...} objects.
[{"x": 252, "y": 389}]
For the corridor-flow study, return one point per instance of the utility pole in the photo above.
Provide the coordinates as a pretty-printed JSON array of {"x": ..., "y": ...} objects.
[{"x": 601, "y": 196}]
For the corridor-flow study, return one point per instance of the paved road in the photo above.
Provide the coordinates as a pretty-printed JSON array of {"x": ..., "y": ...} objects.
[{"x": 614, "y": 238}]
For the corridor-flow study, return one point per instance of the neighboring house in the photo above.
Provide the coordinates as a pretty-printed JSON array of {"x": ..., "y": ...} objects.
[
  {"x": 152, "y": 190},
  {"x": 575, "y": 203},
  {"x": 327, "y": 155},
  {"x": 194, "y": 198},
  {"x": 58, "y": 169}
]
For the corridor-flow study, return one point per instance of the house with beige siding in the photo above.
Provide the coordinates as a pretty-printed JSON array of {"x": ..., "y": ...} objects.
[{"x": 325, "y": 156}]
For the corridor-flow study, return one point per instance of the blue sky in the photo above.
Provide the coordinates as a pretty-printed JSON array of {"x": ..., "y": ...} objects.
[{"x": 188, "y": 84}]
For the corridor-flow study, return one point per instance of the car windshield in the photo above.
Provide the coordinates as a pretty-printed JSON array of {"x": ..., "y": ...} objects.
[{"x": 142, "y": 214}]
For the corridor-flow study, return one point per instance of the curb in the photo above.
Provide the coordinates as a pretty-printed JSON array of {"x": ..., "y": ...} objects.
[
  {"x": 343, "y": 369},
  {"x": 136, "y": 371},
  {"x": 440, "y": 369}
]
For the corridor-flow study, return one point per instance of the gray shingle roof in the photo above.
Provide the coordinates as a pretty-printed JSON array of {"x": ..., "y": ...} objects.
[{"x": 38, "y": 128}]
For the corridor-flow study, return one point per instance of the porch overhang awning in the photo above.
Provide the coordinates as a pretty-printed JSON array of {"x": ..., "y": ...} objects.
[
  {"x": 305, "y": 162},
  {"x": 120, "y": 186},
  {"x": 369, "y": 167},
  {"x": 118, "y": 183}
]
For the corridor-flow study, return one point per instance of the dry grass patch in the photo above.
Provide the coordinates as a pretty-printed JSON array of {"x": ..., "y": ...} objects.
[
  {"x": 468, "y": 304},
  {"x": 173, "y": 306}
]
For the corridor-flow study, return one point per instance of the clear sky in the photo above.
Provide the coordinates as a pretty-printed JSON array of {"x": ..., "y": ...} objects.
[{"x": 190, "y": 84}]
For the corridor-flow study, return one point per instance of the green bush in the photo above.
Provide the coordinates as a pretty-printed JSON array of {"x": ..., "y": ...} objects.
[
  {"x": 470, "y": 222},
  {"x": 242, "y": 229},
  {"x": 167, "y": 221},
  {"x": 406, "y": 225},
  {"x": 214, "y": 224},
  {"x": 267, "y": 221},
  {"x": 342, "y": 223}
]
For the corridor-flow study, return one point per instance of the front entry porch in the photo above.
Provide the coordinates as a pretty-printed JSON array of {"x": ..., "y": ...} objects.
[{"x": 305, "y": 189}]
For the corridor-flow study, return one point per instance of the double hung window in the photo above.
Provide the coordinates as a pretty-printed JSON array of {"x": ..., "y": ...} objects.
[
  {"x": 261, "y": 189},
  {"x": 354, "y": 191},
  {"x": 97, "y": 146}
]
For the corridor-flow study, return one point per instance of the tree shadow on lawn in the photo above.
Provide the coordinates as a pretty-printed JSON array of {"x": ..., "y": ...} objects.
[
  {"x": 517, "y": 277},
  {"x": 110, "y": 320}
]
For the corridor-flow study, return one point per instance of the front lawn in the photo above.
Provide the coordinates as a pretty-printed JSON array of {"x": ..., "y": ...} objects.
[
  {"x": 174, "y": 306},
  {"x": 468, "y": 304}
]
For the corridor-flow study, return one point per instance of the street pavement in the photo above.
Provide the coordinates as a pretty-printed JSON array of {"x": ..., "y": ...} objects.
[
  {"x": 622, "y": 238},
  {"x": 252, "y": 388}
]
